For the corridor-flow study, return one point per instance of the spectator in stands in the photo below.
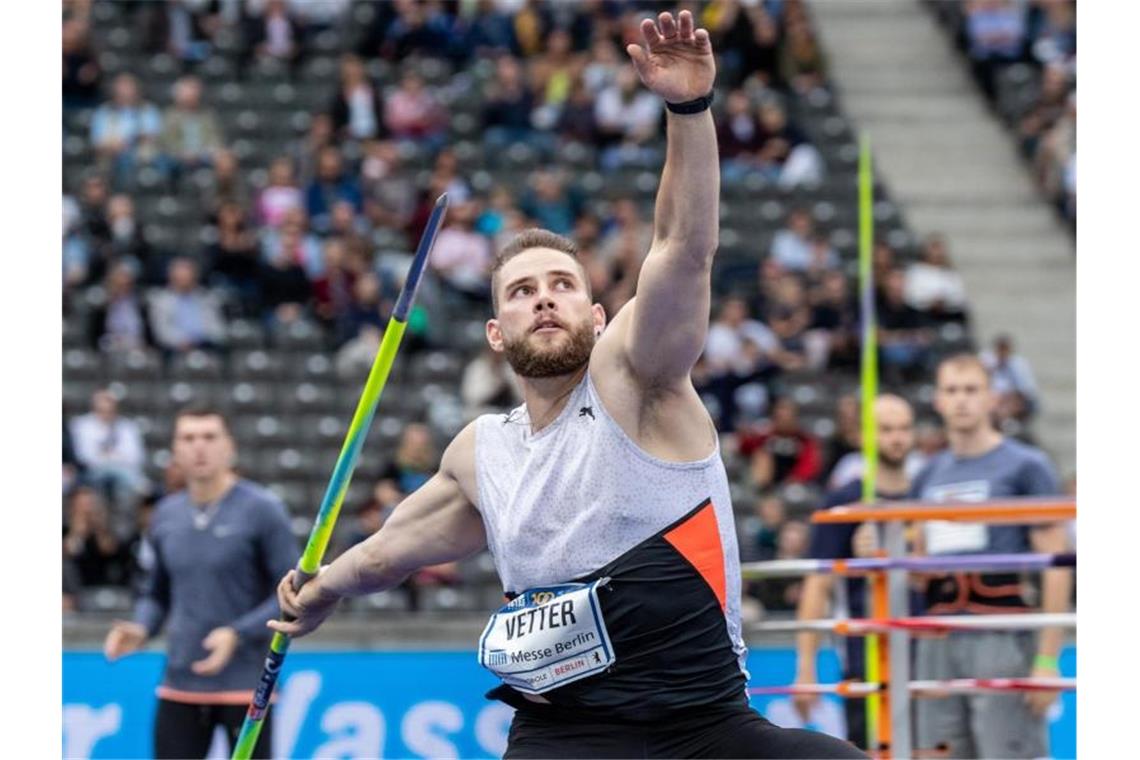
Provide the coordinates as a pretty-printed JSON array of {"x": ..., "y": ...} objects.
[
  {"x": 625, "y": 241},
  {"x": 602, "y": 66},
  {"x": 413, "y": 113},
  {"x": 138, "y": 550},
  {"x": 847, "y": 439},
  {"x": 833, "y": 314},
  {"x": 332, "y": 291},
  {"x": 111, "y": 450},
  {"x": 364, "y": 325},
  {"x": 416, "y": 460},
  {"x": 1053, "y": 31},
  {"x": 418, "y": 29},
  {"x": 284, "y": 286},
  {"x": 792, "y": 246},
  {"x": 274, "y": 35},
  {"x": 120, "y": 323},
  {"x": 294, "y": 241},
  {"x": 357, "y": 109},
  {"x": 737, "y": 135},
  {"x": 770, "y": 514},
  {"x": 995, "y": 30},
  {"x": 550, "y": 203},
  {"x": 781, "y": 452},
  {"x": 227, "y": 184},
  {"x": 127, "y": 242},
  {"x": 332, "y": 183},
  {"x": 462, "y": 257},
  {"x": 783, "y": 153},
  {"x": 508, "y": 103},
  {"x": 281, "y": 194},
  {"x": 371, "y": 515},
  {"x": 905, "y": 339},
  {"x": 738, "y": 351},
  {"x": 348, "y": 227},
  {"x": 185, "y": 315},
  {"x": 389, "y": 191},
  {"x": 1012, "y": 381},
  {"x": 800, "y": 348},
  {"x": 553, "y": 72},
  {"x": 191, "y": 135},
  {"x": 89, "y": 543},
  {"x": 1054, "y": 163},
  {"x": 182, "y": 28},
  {"x": 233, "y": 258},
  {"x": 782, "y": 594},
  {"x": 305, "y": 152},
  {"x": 933, "y": 287},
  {"x": 629, "y": 120},
  {"x": 483, "y": 31},
  {"x": 81, "y": 72},
  {"x": 124, "y": 131},
  {"x": 76, "y": 246},
  {"x": 803, "y": 64},
  {"x": 488, "y": 385},
  {"x": 446, "y": 174}
]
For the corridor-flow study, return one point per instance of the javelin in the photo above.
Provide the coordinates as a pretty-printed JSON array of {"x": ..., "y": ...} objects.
[
  {"x": 931, "y": 624},
  {"x": 933, "y": 689},
  {"x": 791, "y": 568},
  {"x": 310, "y": 561}
]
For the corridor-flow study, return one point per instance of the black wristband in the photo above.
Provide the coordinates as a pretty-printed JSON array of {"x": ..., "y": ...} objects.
[{"x": 691, "y": 106}]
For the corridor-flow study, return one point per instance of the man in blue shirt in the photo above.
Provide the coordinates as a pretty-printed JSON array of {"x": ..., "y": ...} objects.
[
  {"x": 982, "y": 465},
  {"x": 894, "y": 422},
  {"x": 219, "y": 547}
]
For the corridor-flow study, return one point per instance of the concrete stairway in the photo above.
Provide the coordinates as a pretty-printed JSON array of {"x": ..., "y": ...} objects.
[{"x": 954, "y": 169}]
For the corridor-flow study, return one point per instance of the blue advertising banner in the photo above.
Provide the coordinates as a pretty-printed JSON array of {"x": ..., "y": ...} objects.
[{"x": 393, "y": 704}]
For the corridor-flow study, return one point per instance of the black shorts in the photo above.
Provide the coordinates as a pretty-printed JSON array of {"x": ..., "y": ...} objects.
[
  {"x": 186, "y": 731},
  {"x": 725, "y": 732}
]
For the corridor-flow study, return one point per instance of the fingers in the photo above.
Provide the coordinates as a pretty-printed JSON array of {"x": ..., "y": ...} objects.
[
  {"x": 287, "y": 597},
  {"x": 637, "y": 53},
  {"x": 211, "y": 665},
  {"x": 649, "y": 32},
  {"x": 701, "y": 36},
  {"x": 667, "y": 24},
  {"x": 685, "y": 26},
  {"x": 291, "y": 629}
]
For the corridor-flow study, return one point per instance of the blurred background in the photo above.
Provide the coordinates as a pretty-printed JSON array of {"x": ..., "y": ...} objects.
[{"x": 244, "y": 181}]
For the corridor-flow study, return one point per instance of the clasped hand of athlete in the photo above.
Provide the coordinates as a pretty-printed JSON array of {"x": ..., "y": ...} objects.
[{"x": 302, "y": 610}]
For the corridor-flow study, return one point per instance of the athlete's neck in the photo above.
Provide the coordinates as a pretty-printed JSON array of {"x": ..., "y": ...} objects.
[
  {"x": 546, "y": 397},
  {"x": 974, "y": 443},
  {"x": 210, "y": 490}
]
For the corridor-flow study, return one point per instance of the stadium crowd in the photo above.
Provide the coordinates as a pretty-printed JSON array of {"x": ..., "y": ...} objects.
[
  {"x": 1023, "y": 55},
  {"x": 304, "y": 237}
]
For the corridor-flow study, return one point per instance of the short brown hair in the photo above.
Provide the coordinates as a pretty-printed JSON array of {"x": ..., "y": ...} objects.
[
  {"x": 202, "y": 410},
  {"x": 524, "y": 241},
  {"x": 962, "y": 359}
]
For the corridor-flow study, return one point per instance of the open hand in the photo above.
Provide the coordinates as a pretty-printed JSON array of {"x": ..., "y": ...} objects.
[
  {"x": 1040, "y": 701},
  {"x": 676, "y": 61}
]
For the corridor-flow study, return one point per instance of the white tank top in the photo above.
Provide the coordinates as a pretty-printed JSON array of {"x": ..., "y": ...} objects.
[{"x": 562, "y": 503}]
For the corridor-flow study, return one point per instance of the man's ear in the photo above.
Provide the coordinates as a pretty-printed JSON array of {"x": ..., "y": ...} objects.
[
  {"x": 599, "y": 315},
  {"x": 494, "y": 335}
]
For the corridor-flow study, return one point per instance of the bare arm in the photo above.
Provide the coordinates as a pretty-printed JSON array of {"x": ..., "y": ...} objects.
[
  {"x": 1056, "y": 585},
  {"x": 662, "y": 332},
  {"x": 435, "y": 524},
  {"x": 812, "y": 606}
]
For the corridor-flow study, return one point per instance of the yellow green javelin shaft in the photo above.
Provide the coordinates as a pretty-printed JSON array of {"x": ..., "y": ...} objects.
[
  {"x": 869, "y": 388},
  {"x": 341, "y": 477}
]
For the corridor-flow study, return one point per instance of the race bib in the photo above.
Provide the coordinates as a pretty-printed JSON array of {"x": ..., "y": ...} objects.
[
  {"x": 548, "y": 637},
  {"x": 945, "y": 537}
]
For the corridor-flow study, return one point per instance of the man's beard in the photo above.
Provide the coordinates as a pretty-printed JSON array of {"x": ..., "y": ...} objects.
[
  {"x": 891, "y": 462},
  {"x": 553, "y": 360}
]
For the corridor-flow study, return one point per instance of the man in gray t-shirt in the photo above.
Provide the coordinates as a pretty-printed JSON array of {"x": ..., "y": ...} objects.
[
  {"x": 219, "y": 547},
  {"x": 982, "y": 465}
]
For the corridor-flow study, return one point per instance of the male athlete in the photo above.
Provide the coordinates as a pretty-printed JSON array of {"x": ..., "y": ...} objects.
[
  {"x": 219, "y": 547},
  {"x": 603, "y": 497},
  {"x": 981, "y": 464}
]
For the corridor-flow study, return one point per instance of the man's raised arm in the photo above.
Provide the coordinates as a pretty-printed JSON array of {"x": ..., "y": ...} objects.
[
  {"x": 435, "y": 524},
  {"x": 668, "y": 319}
]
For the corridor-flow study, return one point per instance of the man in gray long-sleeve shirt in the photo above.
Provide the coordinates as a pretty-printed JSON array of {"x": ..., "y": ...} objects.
[{"x": 219, "y": 547}]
